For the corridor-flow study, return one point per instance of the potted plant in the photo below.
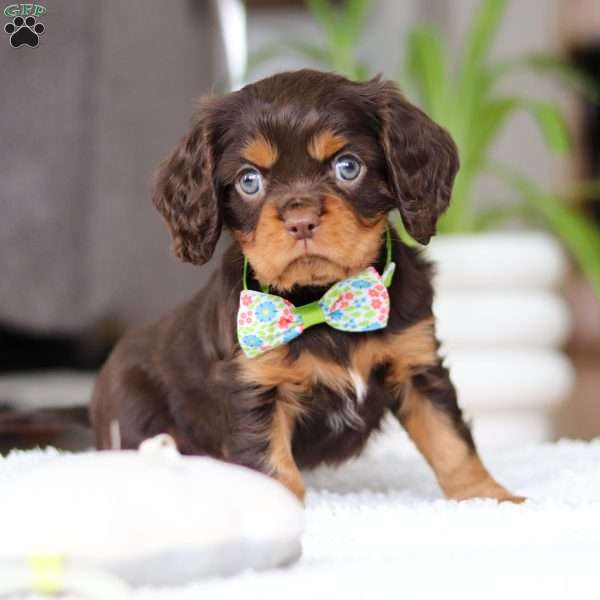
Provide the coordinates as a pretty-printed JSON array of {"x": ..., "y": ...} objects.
[{"x": 500, "y": 316}]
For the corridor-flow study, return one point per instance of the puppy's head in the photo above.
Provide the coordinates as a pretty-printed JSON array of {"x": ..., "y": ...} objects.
[{"x": 303, "y": 168}]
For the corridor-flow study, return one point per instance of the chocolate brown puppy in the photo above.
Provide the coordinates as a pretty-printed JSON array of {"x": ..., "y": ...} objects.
[{"x": 303, "y": 169}]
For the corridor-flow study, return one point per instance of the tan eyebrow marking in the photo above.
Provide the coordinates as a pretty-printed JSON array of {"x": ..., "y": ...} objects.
[
  {"x": 325, "y": 144},
  {"x": 261, "y": 152}
]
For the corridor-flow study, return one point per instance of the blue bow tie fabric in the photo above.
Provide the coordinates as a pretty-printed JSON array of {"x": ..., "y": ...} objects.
[{"x": 357, "y": 304}]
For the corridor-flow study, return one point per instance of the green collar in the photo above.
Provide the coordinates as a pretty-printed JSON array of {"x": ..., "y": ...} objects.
[{"x": 388, "y": 273}]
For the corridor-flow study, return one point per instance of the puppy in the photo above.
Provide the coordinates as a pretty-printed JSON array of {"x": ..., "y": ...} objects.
[{"x": 303, "y": 169}]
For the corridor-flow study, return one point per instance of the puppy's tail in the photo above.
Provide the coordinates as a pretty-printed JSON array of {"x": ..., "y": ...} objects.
[
  {"x": 45, "y": 418},
  {"x": 27, "y": 428}
]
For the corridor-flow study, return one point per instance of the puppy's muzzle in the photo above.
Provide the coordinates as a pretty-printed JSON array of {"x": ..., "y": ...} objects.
[{"x": 301, "y": 217}]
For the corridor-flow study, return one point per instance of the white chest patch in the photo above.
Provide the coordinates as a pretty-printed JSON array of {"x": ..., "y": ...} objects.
[
  {"x": 360, "y": 386},
  {"x": 348, "y": 415}
]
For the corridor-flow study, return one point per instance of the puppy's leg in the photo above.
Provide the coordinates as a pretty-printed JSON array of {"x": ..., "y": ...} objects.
[
  {"x": 429, "y": 412},
  {"x": 272, "y": 380},
  {"x": 280, "y": 459},
  {"x": 261, "y": 437}
]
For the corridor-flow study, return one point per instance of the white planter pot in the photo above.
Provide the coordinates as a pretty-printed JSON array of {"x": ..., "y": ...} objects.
[{"x": 502, "y": 322}]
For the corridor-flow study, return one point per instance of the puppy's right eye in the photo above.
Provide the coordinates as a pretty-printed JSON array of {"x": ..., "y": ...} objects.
[{"x": 249, "y": 182}]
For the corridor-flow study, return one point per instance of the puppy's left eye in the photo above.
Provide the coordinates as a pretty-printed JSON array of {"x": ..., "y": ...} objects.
[{"x": 347, "y": 168}]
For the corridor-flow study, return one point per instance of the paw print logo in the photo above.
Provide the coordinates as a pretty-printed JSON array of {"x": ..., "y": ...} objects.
[{"x": 24, "y": 31}]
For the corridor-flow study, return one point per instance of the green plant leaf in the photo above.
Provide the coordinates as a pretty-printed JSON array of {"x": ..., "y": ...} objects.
[
  {"x": 362, "y": 71},
  {"x": 493, "y": 217},
  {"x": 323, "y": 14},
  {"x": 460, "y": 216},
  {"x": 551, "y": 123},
  {"x": 480, "y": 36},
  {"x": 547, "y": 64},
  {"x": 474, "y": 151},
  {"x": 342, "y": 29},
  {"x": 493, "y": 115},
  {"x": 472, "y": 80},
  {"x": 427, "y": 71},
  {"x": 577, "y": 233},
  {"x": 354, "y": 17}
]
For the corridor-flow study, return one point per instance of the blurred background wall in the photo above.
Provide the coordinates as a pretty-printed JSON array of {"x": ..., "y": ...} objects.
[{"x": 86, "y": 118}]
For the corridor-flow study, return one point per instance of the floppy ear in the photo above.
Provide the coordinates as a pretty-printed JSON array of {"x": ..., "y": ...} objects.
[
  {"x": 185, "y": 194},
  {"x": 422, "y": 161}
]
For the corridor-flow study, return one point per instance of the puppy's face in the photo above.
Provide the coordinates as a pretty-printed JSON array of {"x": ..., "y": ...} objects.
[
  {"x": 304, "y": 182},
  {"x": 303, "y": 168}
]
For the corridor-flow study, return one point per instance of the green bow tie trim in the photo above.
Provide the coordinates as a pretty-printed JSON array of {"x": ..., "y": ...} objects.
[{"x": 357, "y": 304}]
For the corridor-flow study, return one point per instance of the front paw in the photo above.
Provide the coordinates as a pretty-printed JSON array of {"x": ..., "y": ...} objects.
[
  {"x": 488, "y": 488},
  {"x": 514, "y": 499}
]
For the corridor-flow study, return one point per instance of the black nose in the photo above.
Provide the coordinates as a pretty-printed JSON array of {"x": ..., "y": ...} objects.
[{"x": 302, "y": 227}]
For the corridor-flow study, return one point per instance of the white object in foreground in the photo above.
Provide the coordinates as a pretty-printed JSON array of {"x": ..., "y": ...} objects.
[
  {"x": 147, "y": 518},
  {"x": 378, "y": 528}
]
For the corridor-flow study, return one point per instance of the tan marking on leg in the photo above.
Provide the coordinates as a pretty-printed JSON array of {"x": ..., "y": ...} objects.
[
  {"x": 459, "y": 471},
  {"x": 324, "y": 144},
  {"x": 261, "y": 152},
  {"x": 415, "y": 346},
  {"x": 281, "y": 461}
]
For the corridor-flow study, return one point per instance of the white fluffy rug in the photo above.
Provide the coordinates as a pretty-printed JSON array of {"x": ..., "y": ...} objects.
[{"x": 379, "y": 528}]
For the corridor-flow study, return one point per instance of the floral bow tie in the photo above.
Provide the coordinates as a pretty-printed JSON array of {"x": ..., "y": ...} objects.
[{"x": 359, "y": 303}]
